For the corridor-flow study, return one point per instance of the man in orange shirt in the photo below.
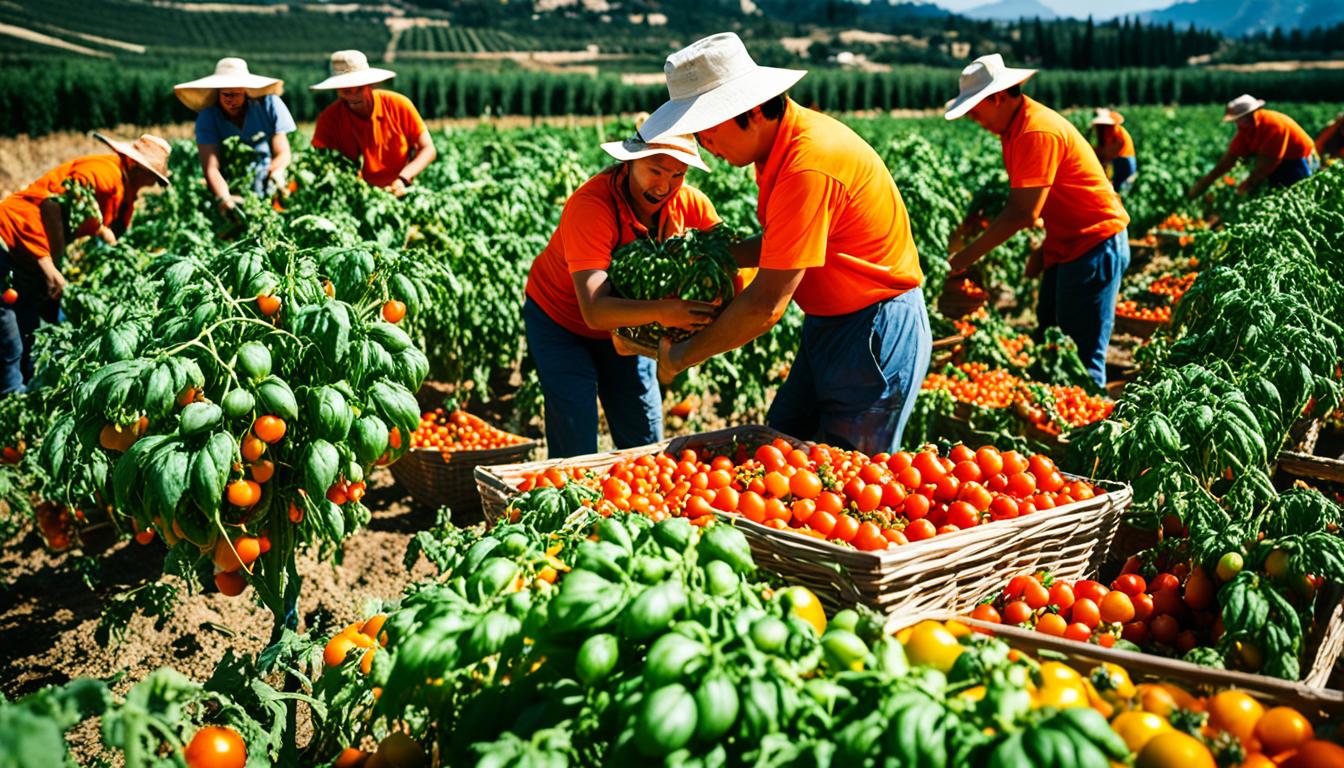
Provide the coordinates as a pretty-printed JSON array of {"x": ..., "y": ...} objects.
[
  {"x": 1284, "y": 152},
  {"x": 378, "y": 127},
  {"x": 570, "y": 311},
  {"x": 835, "y": 239},
  {"x": 33, "y": 236},
  {"x": 1053, "y": 175},
  {"x": 1330, "y": 144},
  {"x": 1115, "y": 147}
]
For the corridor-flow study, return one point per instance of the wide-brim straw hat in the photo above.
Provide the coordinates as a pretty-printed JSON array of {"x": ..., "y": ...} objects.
[
  {"x": 1108, "y": 117},
  {"x": 350, "y": 69},
  {"x": 681, "y": 147},
  {"x": 713, "y": 80},
  {"x": 149, "y": 152},
  {"x": 983, "y": 77},
  {"x": 1241, "y": 106},
  {"x": 230, "y": 72}
]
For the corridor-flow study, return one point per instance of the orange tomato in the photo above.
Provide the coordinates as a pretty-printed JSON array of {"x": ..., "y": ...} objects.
[
  {"x": 1235, "y": 712},
  {"x": 1173, "y": 749},
  {"x": 1281, "y": 729},
  {"x": 216, "y": 746},
  {"x": 270, "y": 429},
  {"x": 393, "y": 311}
]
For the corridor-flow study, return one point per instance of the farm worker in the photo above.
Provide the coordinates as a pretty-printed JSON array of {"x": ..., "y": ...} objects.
[
  {"x": 1115, "y": 147},
  {"x": 835, "y": 239},
  {"x": 378, "y": 126},
  {"x": 33, "y": 232},
  {"x": 234, "y": 102},
  {"x": 570, "y": 313},
  {"x": 1330, "y": 144},
  {"x": 1053, "y": 175},
  {"x": 1284, "y": 153}
]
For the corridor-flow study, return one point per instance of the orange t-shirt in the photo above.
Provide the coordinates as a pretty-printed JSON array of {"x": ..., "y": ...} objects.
[
  {"x": 1126, "y": 141},
  {"x": 596, "y": 220},
  {"x": 21, "y": 219},
  {"x": 827, "y": 204},
  {"x": 384, "y": 140},
  {"x": 1082, "y": 209},
  {"x": 1271, "y": 134}
]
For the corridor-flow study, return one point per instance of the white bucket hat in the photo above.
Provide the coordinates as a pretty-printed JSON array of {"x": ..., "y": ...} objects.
[
  {"x": 350, "y": 69},
  {"x": 1242, "y": 106},
  {"x": 229, "y": 73},
  {"x": 149, "y": 151},
  {"x": 983, "y": 77},
  {"x": 1108, "y": 117},
  {"x": 677, "y": 146},
  {"x": 712, "y": 80}
]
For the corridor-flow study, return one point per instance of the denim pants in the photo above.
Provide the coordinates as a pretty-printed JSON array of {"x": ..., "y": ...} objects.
[
  {"x": 1123, "y": 170},
  {"x": 854, "y": 380},
  {"x": 1290, "y": 172},
  {"x": 575, "y": 372},
  {"x": 1079, "y": 296},
  {"x": 11, "y": 341},
  {"x": 33, "y": 307}
]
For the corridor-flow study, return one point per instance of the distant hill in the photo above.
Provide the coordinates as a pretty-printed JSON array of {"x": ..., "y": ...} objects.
[
  {"x": 1011, "y": 10},
  {"x": 1240, "y": 17}
]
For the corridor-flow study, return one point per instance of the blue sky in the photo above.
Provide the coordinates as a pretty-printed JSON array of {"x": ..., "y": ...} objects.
[{"x": 1100, "y": 9}]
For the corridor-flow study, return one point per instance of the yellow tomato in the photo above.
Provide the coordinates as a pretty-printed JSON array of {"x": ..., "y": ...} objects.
[
  {"x": 1138, "y": 728},
  {"x": 1173, "y": 749},
  {"x": 801, "y": 602},
  {"x": 974, "y": 693},
  {"x": 1056, "y": 673},
  {"x": 957, "y": 628},
  {"x": 1061, "y": 696},
  {"x": 1112, "y": 682},
  {"x": 931, "y": 645}
]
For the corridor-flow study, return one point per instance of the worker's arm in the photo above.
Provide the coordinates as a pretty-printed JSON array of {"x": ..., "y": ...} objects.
[
  {"x": 1264, "y": 166},
  {"x": 751, "y": 314},
  {"x": 1323, "y": 140},
  {"x": 1109, "y": 150},
  {"x": 604, "y": 312},
  {"x": 1227, "y": 163},
  {"x": 50, "y": 212},
  {"x": 214, "y": 177},
  {"x": 747, "y": 252},
  {"x": 279, "y": 154},
  {"x": 1023, "y": 209}
]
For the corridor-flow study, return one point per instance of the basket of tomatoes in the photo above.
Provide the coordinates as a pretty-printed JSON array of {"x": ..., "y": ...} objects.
[{"x": 446, "y": 449}]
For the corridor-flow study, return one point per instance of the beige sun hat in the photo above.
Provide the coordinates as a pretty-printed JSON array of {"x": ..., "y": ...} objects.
[
  {"x": 983, "y": 77},
  {"x": 681, "y": 147},
  {"x": 149, "y": 152},
  {"x": 230, "y": 72},
  {"x": 1108, "y": 117},
  {"x": 1242, "y": 106},
  {"x": 712, "y": 80},
  {"x": 350, "y": 69}
]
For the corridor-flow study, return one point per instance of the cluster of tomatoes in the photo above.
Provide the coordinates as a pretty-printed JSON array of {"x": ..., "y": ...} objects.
[
  {"x": 1173, "y": 286},
  {"x": 13, "y": 454},
  {"x": 57, "y": 524},
  {"x": 1018, "y": 348},
  {"x": 966, "y": 325},
  {"x": 980, "y": 385},
  {"x": 1176, "y": 610},
  {"x": 1135, "y": 311},
  {"x": 1180, "y": 222},
  {"x": 870, "y": 502},
  {"x": 449, "y": 432}
]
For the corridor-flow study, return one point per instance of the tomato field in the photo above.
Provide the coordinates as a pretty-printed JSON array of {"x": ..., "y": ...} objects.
[{"x": 225, "y": 397}]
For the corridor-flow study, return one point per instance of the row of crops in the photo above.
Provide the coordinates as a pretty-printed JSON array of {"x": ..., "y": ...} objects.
[
  {"x": 455, "y": 39},
  {"x": 228, "y": 406}
]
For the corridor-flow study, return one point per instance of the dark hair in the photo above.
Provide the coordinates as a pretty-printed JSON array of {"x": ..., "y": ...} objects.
[
  {"x": 1015, "y": 91},
  {"x": 771, "y": 109}
]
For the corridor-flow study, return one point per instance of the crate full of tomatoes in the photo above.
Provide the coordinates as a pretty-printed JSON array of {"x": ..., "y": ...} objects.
[
  {"x": 445, "y": 450},
  {"x": 909, "y": 532}
]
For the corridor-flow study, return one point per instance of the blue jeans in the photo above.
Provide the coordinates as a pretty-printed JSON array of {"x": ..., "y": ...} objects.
[
  {"x": 11, "y": 341},
  {"x": 1290, "y": 172},
  {"x": 1079, "y": 297},
  {"x": 575, "y": 372},
  {"x": 33, "y": 307},
  {"x": 854, "y": 380},
  {"x": 1123, "y": 170}
]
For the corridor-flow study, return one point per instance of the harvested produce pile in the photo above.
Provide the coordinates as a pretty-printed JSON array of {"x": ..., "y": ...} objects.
[
  {"x": 847, "y": 497},
  {"x": 1132, "y": 309},
  {"x": 459, "y": 431},
  {"x": 1046, "y": 406},
  {"x": 696, "y": 266}
]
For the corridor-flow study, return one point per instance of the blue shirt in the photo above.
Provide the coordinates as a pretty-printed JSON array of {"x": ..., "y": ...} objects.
[{"x": 262, "y": 119}]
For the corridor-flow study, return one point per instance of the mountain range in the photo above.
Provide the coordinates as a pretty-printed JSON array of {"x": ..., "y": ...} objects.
[{"x": 1231, "y": 17}]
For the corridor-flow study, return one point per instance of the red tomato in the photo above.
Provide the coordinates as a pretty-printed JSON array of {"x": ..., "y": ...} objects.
[
  {"x": 770, "y": 457},
  {"x": 1164, "y": 629},
  {"x": 1078, "y": 631},
  {"x": 1090, "y": 589},
  {"x": 828, "y": 501},
  {"x": 869, "y": 537},
  {"x": 966, "y": 471},
  {"x": 805, "y": 484},
  {"x": 1016, "y": 586},
  {"x": 870, "y": 498},
  {"x": 1143, "y": 606},
  {"x": 996, "y": 483},
  {"x": 1003, "y": 508},
  {"x": 1131, "y": 584},
  {"x": 1116, "y": 607},
  {"x": 695, "y": 507},
  {"x": 961, "y": 452},
  {"x": 1061, "y": 595},
  {"x": 720, "y": 478},
  {"x": 1036, "y": 595},
  {"x": 1022, "y": 484},
  {"x": 1163, "y": 581},
  {"x": 216, "y": 747},
  {"x": 962, "y": 515},
  {"x": 822, "y": 522},
  {"x": 947, "y": 489},
  {"x": 918, "y": 530},
  {"x": 1040, "y": 465},
  {"x": 873, "y": 473},
  {"x": 802, "y": 510},
  {"x": 1135, "y": 632},
  {"x": 752, "y": 506},
  {"x": 726, "y": 499},
  {"x": 1050, "y": 483},
  {"x": 775, "y": 509},
  {"x": 916, "y": 507},
  {"x": 986, "y": 613},
  {"x": 930, "y": 469},
  {"x": 1013, "y": 463},
  {"x": 910, "y": 478},
  {"x": 899, "y": 461},
  {"x": 1016, "y": 612},
  {"x": 846, "y": 528},
  {"x": 990, "y": 461},
  {"x": 1051, "y": 624},
  {"x": 893, "y": 494},
  {"x": 797, "y": 458},
  {"x": 1085, "y": 611},
  {"x": 722, "y": 462},
  {"x": 975, "y": 494}
]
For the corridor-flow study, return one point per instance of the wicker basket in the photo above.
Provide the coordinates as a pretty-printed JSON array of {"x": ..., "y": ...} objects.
[
  {"x": 1309, "y": 696},
  {"x": 497, "y": 484},
  {"x": 435, "y": 481},
  {"x": 1133, "y": 326}
]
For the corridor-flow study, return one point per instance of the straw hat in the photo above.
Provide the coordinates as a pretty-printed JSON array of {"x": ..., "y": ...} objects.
[
  {"x": 677, "y": 146},
  {"x": 712, "y": 80},
  {"x": 1108, "y": 117},
  {"x": 1242, "y": 106},
  {"x": 229, "y": 73},
  {"x": 149, "y": 152},
  {"x": 350, "y": 69},
  {"x": 983, "y": 77}
]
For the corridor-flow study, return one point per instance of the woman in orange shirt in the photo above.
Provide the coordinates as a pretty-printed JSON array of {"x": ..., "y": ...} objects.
[
  {"x": 570, "y": 311},
  {"x": 1115, "y": 147}
]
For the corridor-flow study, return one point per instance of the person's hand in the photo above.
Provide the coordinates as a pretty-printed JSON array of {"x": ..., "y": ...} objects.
[
  {"x": 277, "y": 178},
  {"x": 397, "y": 188},
  {"x": 958, "y": 264},
  {"x": 55, "y": 280},
  {"x": 667, "y": 367},
  {"x": 631, "y": 348},
  {"x": 227, "y": 204},
  {"x": 686, "y": 315},
  {"x": 107, "y": 236}
]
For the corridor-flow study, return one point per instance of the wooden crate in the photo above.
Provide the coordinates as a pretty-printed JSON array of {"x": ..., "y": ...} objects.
[
  {"x": 1311, "y": 467},
  {"x": 1132, "y": 326},
  {"x": 435, "y": 481}
]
